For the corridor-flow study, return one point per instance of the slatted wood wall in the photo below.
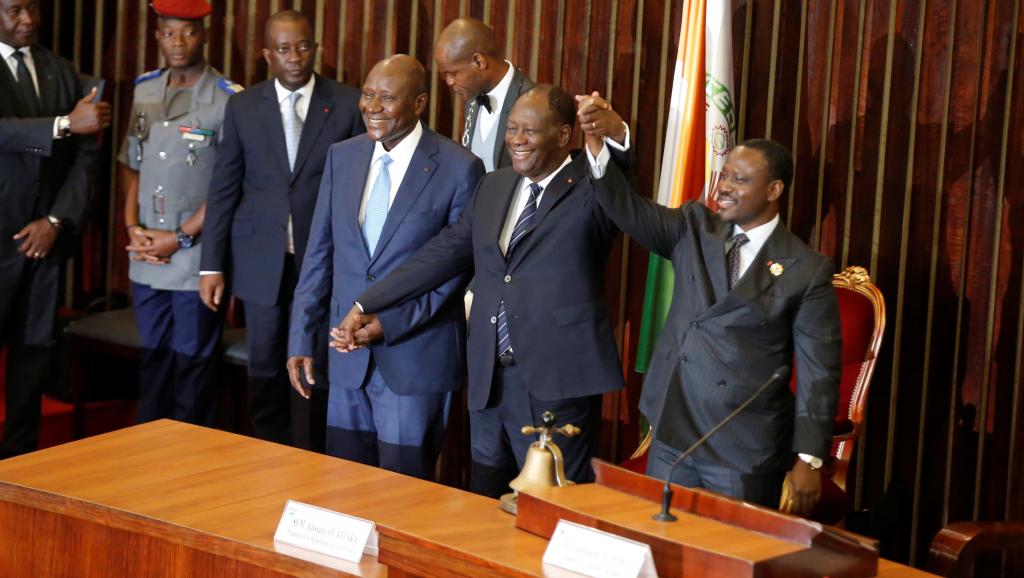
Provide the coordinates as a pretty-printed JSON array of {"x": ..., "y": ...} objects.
[{"x": 907, "y": 120}]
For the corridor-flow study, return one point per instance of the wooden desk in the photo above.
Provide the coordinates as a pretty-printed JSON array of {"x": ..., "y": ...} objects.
[{"x": 170, "y": 499}]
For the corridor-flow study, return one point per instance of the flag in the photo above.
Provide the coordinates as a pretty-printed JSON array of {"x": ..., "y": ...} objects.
[
  {"x": 705, "y": 49},
  {"x": 682, "y": 167},
  {"x": 721, "y": 125}
]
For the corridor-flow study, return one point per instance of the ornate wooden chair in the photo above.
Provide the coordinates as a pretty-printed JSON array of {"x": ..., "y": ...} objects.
[
  {"x": 955, "y": 548},
  {"x": 862, "y": 315}
]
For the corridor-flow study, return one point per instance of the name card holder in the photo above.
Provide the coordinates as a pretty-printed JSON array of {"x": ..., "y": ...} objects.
[
  {"x": 592, "y": 552},
  {"x": 326, "y": 532}
]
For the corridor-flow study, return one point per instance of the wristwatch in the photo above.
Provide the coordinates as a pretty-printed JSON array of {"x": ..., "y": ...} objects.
[
  {"x": 813, "y": 462},
  {"x": 184, "y": 241},
  {"x": 64, "y": 126},
  {"x": 55, "y": 222}
]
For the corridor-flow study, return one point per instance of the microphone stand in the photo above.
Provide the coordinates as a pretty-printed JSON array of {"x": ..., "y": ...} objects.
[{"x": 781, "y": 374}]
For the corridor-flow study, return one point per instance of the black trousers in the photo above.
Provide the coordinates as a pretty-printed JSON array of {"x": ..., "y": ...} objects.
[
  {"x": 26, "y": 364},
  {"x": 276, "y": 411}
]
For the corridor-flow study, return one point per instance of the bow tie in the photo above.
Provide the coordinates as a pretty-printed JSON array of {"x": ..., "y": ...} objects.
[{"x": 484, "y": 101}]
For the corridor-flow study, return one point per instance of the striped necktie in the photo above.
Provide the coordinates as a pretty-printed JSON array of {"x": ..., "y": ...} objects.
[
  {"x": 377, "y": 205},
  {"x": 526, "y": 218},
  {"x": 733, "y": 258},
  {"x": 292, "y": 128}
]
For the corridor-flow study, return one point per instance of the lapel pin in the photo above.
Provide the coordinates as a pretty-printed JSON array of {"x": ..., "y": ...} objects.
[
  {"x": 570, "y": 180},
  {"x": 326, "y": 109},
  {"x": 426, "y": 169},
  {"x": 775, "y": 268}
]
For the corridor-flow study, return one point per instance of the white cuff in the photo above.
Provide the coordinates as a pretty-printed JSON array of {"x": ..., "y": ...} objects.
[
  {"x": 361, "y": 310},
  {"x": 201, "y": 273},
  {"x": 56, "y": 132}
]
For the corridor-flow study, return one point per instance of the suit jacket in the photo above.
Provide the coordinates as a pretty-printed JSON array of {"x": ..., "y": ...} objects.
[
  {"x": 40, "y": 176},
  {"x": 520, "y": 84},
  {"x": 552, "y": 286},
  {"x": 253, "y": 191},
  {"x": 423, "y": 346},
  {"x": 719, "y": 346}
]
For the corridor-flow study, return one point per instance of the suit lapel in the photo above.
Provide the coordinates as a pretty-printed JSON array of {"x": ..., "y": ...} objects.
[
  {"x": 47, "y": 81},
  {"x": 272, "y": 116},
  {"x": 353, "y": 184},
  {"x": 514, "y": 89},
  {"x": 560, "y": 186},
  {"x": 504, "y": 191},
  {"x": 422, "y": 167},
  {"x": 320, "y": 109},
  {"x": 758, "y": 277},
  {"x": 713, "y": 248}
]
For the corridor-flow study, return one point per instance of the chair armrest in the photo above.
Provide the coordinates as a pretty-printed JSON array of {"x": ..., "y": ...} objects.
[{"x": 955, "y": 547}]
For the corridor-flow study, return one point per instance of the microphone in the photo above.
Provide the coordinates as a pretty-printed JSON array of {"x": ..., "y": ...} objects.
[{"x": 781, "y": 374}]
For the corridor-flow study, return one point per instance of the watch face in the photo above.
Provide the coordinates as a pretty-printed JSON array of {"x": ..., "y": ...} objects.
[{"x": 185, "y": 241}]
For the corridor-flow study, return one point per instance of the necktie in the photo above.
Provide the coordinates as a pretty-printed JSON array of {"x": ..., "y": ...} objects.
[
  {"x": 733, "y": 258},
  {"x": 377, "y": 205},
  {"x": 484, "y": 101},
  {"x": 26, "y": 89},
  {"x": 526, "y": 218},
  {"x": 292, "y": 128}
]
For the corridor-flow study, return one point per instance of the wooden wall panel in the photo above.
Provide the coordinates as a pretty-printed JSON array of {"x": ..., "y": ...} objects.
[{"x": 906, "y": 118}]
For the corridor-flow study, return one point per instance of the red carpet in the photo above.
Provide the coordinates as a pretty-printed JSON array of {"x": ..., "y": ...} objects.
[{"x": 56, "y": 426}]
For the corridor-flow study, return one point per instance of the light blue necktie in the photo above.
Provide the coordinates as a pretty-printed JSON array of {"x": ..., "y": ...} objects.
[
  {"x": 377, "y": 205},
  {"x": 293, "y": 129}
]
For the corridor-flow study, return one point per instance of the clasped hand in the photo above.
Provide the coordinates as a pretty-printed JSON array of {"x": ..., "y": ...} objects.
[
  {"x": 356, "y": 330},
  {"x": 151, "y": 245}
]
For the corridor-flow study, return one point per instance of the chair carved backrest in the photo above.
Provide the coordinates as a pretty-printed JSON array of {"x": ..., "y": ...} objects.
[{"x": 862, "y": 317}]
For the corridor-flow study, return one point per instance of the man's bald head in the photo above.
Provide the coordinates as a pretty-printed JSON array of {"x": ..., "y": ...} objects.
[
  {"x": 394, "y": 96},
  {"x": 407, "y": 67},
  {"x": 468, "y": 58},
  {"x": 465, "y": 36},
  {"x": 285, "y": 16}
]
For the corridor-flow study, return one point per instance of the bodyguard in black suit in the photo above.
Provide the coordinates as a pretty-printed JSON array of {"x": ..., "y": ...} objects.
[
  {"x": 749, "y": 297},
  {"x": 469, "y": 62},
  {"x": 539, "y": 334},
  {"x": 260, "y": 206},
  {"x": 45, "y": 167}
]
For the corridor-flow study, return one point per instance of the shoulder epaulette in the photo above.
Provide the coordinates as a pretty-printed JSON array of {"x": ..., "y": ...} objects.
[
  {"x": 149, "y": 75},
  {"x": 229, "y": 86}
]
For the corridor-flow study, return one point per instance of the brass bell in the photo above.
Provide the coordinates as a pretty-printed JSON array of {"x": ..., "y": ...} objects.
[{"x": 543, "y": 466}]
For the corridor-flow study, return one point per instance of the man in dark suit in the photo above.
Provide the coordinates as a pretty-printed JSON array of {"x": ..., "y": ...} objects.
[
  {"x": 259, "y": 210},
  {"x": 539, "y": 337},
  {"x": 469, "y": 62},
  {"x": 46, "y": 163},
  {"x": 382, "y": 196},
  {"x": 749, "y": 297}
]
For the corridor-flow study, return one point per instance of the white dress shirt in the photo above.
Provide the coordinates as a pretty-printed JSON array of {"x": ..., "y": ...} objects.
[
  {"x": 756, "y": 239},
  {"x": 519, "y": 203},
  {"x": 486, "y": 121},
  {"x": 401, "y": 156}
]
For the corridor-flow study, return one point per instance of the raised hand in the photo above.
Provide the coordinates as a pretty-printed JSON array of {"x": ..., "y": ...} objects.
[{"x": 598, "y": 121}]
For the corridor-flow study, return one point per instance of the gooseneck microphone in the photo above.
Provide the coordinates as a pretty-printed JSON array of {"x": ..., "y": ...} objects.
[{"x": 781, "y": 374}]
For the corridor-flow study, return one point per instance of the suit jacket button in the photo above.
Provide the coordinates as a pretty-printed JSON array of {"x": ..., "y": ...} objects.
[
  {"x": 721, "y": 383},
  {"x": 494, "y": 320},
  {"x": 508, "y": 278},
  {"x": 369, "y": 277},
  {"x": 685, "y": 359},
  {"x": 694, "y": 325}
]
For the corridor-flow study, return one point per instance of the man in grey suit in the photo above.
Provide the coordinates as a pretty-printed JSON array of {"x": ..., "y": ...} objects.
[
  {"x": 749, "y": 297},
  {"x": 469, "y": 62},
  {"x": 46, "y": 162}
]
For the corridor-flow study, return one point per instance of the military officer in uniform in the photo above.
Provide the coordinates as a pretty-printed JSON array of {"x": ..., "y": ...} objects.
[{"x": 167, "y": 161}]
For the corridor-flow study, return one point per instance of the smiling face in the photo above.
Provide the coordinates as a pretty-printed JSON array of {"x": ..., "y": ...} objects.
[
  {"x": 181, "y": 42},
  {"x": 536, "y": 140},
  {"x": 748, "y": 194},
  {"x": 392, "y": 101},
  {"x": 290, "y": 51},
  {"x": 19, "y": 22}
]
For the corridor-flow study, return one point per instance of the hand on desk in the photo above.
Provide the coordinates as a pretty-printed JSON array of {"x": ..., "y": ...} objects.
[
  {"x": 805, "y": 488},
  {"x": 306, "y": 363},
  {"x": 357, "y": 330}
]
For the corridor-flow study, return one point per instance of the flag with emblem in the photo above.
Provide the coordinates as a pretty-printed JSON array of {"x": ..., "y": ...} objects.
[{"x": 703, "y": 51}]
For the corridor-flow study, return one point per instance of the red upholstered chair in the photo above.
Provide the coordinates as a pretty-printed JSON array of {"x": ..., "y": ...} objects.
[{"x": 862, "y": 316}]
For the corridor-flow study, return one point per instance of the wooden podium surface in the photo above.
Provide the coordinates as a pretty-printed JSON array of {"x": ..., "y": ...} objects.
[{"x": 170, "y": 499}]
